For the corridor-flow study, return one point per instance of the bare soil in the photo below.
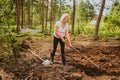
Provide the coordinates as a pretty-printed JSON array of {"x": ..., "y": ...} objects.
[{"x": 29, "y": 67}]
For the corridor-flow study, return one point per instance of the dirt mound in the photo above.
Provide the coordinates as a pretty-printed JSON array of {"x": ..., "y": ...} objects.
[
  {"x": 108, "y": 59},
  {"x": 29, "y": 67}
]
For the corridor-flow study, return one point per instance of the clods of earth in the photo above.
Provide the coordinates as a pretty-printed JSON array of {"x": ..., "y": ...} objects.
[{"x": 29, "y": 67}]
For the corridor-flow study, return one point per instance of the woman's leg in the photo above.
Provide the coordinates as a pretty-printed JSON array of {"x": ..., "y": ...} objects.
[
  {"x": 63, "y": 52},
  {"x": 55, "y": 43}
]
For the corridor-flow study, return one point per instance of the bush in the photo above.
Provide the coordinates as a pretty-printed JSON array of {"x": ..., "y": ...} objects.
[
  {"x": 113, "y": 19},
  {"x": 109, "y": 30},
  {"x": 8, "y": 42}
]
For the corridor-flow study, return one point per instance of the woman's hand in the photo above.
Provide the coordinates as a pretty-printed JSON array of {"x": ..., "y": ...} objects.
[
  {"x": 63, "y": 40},
  {"x": 70, "y": 45}
]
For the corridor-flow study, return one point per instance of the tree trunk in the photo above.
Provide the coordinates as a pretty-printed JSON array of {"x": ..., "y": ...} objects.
[
  {"x": 51, "y": 16},
  {"x": 24, "y": 20},
  {"x": 28, "y": 13},
  {"x": 78, "y": 26},
  {"x": 22, "y": 2},
  {"x": 60, "y": 8},
  {"x": 86, "y": 17},
  {"x": 55, "y": 10},
  {"x": 98, "y": 20},
  {"x": 31, "y": 21},
  {"x": 73, "y": 19},
  {"x": 40, "y": 4},
  {"x": 42, "y": 15},
  {"x": 17, "y": 16},
  {"x": 46, "y": 15}
]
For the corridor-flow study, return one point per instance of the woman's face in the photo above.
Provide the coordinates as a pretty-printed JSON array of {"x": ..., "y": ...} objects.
[{"x": 66, "y": 19}]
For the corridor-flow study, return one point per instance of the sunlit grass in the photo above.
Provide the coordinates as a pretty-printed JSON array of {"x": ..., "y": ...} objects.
[{"x": 81, "y": 29}]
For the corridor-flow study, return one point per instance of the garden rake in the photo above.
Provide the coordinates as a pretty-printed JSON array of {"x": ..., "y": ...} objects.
[
  {"x": 86, "y": 58},
  {"x": 45, "y": 62}
]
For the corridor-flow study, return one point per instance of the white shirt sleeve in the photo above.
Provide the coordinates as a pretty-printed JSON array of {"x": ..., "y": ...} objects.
[
  {"x": 57, "y": 24},
  {"x": 67, "y": 26}
]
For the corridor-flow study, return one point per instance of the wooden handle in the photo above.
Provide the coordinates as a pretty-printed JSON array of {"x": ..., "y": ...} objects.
[
  {"x": 86, "y": 58},
  {"x": 35, "y": 54}
]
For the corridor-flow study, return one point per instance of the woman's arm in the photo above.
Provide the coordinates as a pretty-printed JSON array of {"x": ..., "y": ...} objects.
[
  {"x": 68, "y": 38},
  {"x": 58, "y": 34}
]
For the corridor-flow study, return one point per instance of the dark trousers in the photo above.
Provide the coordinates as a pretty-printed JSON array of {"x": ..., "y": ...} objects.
[{"x": 62, "y": 44}]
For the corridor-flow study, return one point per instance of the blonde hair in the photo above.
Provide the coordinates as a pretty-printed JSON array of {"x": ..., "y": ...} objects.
[{"x": 64, "y": 16}]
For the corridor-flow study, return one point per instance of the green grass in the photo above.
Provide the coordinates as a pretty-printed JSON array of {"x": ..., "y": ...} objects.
[{"x": 105, "y": 30}]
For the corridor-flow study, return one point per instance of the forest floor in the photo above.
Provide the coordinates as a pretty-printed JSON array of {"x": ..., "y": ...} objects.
[{"x": 105, "y": 53}]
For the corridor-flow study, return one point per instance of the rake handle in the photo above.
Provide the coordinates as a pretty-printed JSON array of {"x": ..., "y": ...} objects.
[
  {"x": 86, "y": 58},
  {"x": 35, "y": 54}
]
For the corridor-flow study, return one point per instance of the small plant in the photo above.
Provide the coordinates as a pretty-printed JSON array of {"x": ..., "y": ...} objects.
[{"x": 9, "y": 44}]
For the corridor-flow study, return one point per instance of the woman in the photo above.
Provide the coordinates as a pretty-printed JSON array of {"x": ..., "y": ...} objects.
[{"x": 61, "y": 30}]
